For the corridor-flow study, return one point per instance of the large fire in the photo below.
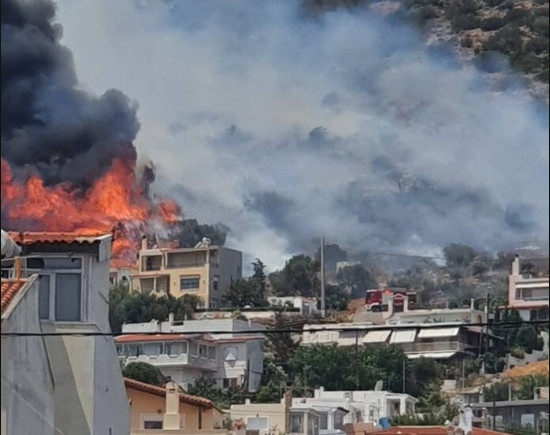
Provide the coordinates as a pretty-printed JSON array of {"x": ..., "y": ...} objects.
[{"x": 115, "y": 203}]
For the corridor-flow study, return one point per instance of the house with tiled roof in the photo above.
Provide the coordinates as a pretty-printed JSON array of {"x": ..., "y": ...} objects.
[
  {"x": 70, "y": 272},
  {"x": 154, "y": 408},
  {"x": 27, "y": 381}
]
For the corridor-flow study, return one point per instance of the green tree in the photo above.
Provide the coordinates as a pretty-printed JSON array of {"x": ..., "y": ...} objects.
[
  {"x": 337, "y": 299},
  {"x": 297, "y": 278},
  {"x": 528, "y": 338},
  {"x": 357, "y": 279},
  {"x": 191, "y": 233},
  {"x": 127, "y": 307},
  {"x": 143, "y": 372},
  {"x": 245, "y": 292},
  {"x": 259, "y": 274}
]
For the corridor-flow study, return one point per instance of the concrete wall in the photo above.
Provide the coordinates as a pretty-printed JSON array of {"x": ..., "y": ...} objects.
[
  {"x": 274, "y": 412},
  {"x": 27, "y": 382},
  {"x": 229, "y": 269},
  {"x": 89, "y": 389}
]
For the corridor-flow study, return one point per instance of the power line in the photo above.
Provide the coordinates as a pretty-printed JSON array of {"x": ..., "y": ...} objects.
[{"x": 362, "y": 328}]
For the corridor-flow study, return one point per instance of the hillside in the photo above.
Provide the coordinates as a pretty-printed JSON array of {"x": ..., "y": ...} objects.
[
  {"x": 483, "y": 30},
  {"x": 489, "y": 33}
]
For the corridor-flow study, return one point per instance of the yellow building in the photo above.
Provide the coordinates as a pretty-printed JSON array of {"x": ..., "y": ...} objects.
[
  {"x": 156, "y": 410},
  {"x": 205, "y": 271}
]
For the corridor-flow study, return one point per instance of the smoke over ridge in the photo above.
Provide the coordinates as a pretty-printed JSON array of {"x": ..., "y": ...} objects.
[{"x": 287, "y": 128}]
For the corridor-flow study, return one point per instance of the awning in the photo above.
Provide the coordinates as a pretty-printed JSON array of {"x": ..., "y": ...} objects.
[
  {"x": 403, "y": 336},
  {"x": 376, "y": 336},
  {"x": 432, "y": 355},
  {"x": 438, "y": 332}
]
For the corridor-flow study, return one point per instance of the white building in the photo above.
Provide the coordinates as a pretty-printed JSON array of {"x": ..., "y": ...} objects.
[
  {"x": 528, "y": 292},
  {"x": 307, "y": 306},
  {"x": 73, "y": 294},
  {"x": 27, "y": 380},
  {"x": 443, "y": 342},
  {"x": 360, "y": 406},
  {"x": 217, "y": 349}
]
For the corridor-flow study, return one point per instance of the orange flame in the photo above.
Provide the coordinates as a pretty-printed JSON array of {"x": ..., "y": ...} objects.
[{"x": 115, "y": 201}]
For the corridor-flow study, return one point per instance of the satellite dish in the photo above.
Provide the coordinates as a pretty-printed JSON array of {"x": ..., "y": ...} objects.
[{"x": 379, "y": 386}]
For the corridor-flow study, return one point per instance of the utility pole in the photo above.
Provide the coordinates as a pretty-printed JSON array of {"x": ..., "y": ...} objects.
[
  {"x": 323, "y": 295},
  {"x": 404, "y": 387}
]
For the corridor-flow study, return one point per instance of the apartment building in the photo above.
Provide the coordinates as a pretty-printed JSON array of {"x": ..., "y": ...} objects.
[
  {"x": 205, "y": 271},
  {"x": 528, "y": 288},
  {"x": 190, "y": 349},
  {"x": 444, "y": 342}
]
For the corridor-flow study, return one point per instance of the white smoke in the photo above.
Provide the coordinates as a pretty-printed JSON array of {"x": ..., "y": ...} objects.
[{"x": 287, "y": 128}]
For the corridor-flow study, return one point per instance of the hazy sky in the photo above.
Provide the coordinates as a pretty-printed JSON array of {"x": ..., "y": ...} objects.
[{"x": 286, "y": 129}]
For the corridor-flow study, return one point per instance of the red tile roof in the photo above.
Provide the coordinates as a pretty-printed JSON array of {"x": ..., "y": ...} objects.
[
  {"x": 429, "y": 430},
  {"x": 161, "y": 392},
  {"x": 9, "y": 289},
  {"x": 30, "y": 238}
]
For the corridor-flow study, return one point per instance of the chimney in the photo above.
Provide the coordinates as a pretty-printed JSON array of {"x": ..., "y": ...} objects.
[
  {"x": 406, "y": 304},
  {"x": 171, "y": 420},
  {"x": 472, "y": 304},
  {"x": 287, "y": 402},
  {"x": 171, "y": 319},
  {"x": 515, "y": 266},
  {"x": 144, "y": 244}
]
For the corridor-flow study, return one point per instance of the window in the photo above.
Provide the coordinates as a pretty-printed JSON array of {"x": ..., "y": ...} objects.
[
  {"x": 189, "y": 283},
  {"x": 152, "y": 349},
  {"x": 323, "y": 420},
  {"x": 68, "y": 293},
  {"x": 257, "y": 423},
  {"x": 212, "y": 353},
  {"x": 59, "y": 288},
  {"x": 151, "y": 421},
  {"x": 216, "y": 282},
  {"x": 230, "y": 383},
  {"x": 135, "y": 350},
  {"x": 312, "y": 425},
  {"x": 338, "y": 421},
  {"x": 203, "y": 351},
  {"x": 297, "y": 422},
  {"x": 152, "y": 262}
]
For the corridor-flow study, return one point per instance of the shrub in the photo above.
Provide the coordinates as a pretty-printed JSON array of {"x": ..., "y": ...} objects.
[
  {"x": 537, "y": 45},
  {"x": 467, "y": 42},
  {"x": 493, "y": 23},
  {"x": 517, "y": 352},
  {"x": 527, "y": 62},
  {"x": 466, "y": 22},
  {"x": 516, "y": 14}
]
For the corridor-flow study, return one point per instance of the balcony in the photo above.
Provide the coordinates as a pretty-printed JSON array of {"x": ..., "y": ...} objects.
[
  {"x": 438, "y": 346},
  {"x": 182, "y": 360}
]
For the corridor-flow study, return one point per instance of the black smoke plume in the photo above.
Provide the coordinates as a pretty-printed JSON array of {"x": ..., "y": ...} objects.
[{"x": 49, "y": 125}]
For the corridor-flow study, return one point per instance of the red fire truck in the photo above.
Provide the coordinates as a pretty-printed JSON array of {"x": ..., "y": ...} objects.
[{"x": 377, "y": 300}]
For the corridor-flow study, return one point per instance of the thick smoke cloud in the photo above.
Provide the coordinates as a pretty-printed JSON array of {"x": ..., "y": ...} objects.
[
  {"x": 287, "y": 128},
  {"x": 48, "y": 124}
]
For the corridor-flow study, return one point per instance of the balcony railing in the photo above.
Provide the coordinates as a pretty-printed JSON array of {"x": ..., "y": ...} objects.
[
  {"x": 442, "y": 346},
  {"x": 181, "y": 360}
]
